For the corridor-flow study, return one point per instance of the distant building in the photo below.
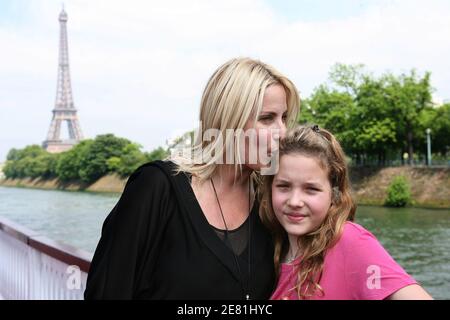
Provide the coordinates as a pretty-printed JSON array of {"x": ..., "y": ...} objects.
[{"x": 64, "y": 107}]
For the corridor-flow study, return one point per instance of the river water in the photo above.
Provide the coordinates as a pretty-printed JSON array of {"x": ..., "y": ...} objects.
[{"x": 418, "y": 239}]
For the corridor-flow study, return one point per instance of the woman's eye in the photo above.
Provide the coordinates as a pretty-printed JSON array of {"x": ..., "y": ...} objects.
[
  {"x": 282, "y": 186},
  {"x": 284, "y": 118},
  {"x": 265, "y": 119}
]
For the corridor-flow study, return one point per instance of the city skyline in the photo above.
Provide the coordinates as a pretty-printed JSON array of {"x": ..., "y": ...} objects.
[{"x": 139, "y": 70}]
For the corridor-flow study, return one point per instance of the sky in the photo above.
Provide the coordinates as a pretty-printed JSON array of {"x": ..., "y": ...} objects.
[{"x": 138, "y": 67}]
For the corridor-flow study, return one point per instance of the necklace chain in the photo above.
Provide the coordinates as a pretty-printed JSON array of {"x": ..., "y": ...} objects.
[
  {"x": 244, "y": 290},
  {"x": 291, "y": 258}
]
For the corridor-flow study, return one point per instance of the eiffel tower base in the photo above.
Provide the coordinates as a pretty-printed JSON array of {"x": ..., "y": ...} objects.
[{"x": 57, "y": 146}]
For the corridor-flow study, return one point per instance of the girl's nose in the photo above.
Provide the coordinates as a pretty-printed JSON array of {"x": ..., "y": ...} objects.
[{"x": 295, "y": 200}]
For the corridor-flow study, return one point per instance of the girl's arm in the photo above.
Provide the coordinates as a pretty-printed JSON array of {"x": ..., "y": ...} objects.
[{"x": 411, "y": 292}]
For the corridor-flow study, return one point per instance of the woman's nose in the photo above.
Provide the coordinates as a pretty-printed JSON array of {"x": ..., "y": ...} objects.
[
  {"x": 279, "y": 132},
  {"x": 282, "y": 131}
]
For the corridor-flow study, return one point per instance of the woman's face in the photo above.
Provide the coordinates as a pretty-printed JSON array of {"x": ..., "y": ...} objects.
[
  {"x": 301, "y": 194},
  {"x": 269, "y": 127}
]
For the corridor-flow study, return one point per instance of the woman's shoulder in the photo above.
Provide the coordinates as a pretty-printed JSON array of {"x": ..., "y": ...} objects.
[
  {"x": 151, "y": 175},
  {"x": 154, "y": 171}
]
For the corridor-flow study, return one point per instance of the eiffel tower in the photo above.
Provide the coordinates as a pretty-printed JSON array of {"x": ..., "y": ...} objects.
[{"x": 64, "y": 107}]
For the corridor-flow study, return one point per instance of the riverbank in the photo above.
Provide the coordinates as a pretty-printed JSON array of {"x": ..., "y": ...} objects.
[
  {"x": 430, "y": 187},
  {"x": 109, "y": 183}
]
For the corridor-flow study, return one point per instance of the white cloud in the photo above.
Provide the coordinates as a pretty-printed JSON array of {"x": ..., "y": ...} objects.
[{"x": 139, "y": 67}]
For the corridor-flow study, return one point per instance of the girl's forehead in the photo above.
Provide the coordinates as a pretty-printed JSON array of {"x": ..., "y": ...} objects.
[
  {"x": 299, "y": 159},
  {"x": 301, "y": 167}
]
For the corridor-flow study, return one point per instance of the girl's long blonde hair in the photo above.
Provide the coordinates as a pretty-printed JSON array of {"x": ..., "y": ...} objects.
[
  {"x": 233, "y": 95},
  {"x": 320, "y": 144}
]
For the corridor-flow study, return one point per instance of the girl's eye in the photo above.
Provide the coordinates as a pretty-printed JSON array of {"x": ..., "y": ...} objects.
[
  {"x": 284, "y": 118},
  {"x": 282, "y": 186}
]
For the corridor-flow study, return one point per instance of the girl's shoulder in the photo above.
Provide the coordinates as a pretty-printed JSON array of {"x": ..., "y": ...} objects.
[
  {"x": 353, "y": 229},
  {"x": 368, "y": 270},
  {"x": 352, "y": 234},
  {"x": 358, "y": 248}
]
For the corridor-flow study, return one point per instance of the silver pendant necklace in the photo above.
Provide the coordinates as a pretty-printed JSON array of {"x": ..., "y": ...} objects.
[
  {"x": 292, "y": 258},
  {"x": 245, "y": 289}
]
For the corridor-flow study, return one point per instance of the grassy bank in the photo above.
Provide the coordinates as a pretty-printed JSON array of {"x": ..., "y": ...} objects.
[
  {"x": 430, "y": 187},
  {"x": 109, "y": 183}
]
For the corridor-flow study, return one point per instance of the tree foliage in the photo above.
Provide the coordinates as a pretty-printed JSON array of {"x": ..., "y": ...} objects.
[
  {"x": 87, "y": 161},
  {"x": 378, "y": 118},
  {"x": 398, "y": 193}
]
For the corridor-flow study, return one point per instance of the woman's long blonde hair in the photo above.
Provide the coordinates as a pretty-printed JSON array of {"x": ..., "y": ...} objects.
[
  {"x": 233, "y": 95},
  {"x": 312, "y": 141}
]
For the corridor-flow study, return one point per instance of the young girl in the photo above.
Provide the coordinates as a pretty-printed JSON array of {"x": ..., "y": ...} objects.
[{"x": 319, "y": 252}]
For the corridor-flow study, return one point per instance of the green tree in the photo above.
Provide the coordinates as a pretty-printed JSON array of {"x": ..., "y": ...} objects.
[
  {"x": 70, "y": 163},
  {"x": 13, "y": 155},
  {"x": 12, "y": 170},
  {"x": 93, "y": 164},
  {"x": 129, "y": 160},
  {"x": 40, "y": 166},
  {"x": 157, "y": 154},
  {"x": 373, "y": 117},
  {"x": 51, "y": 164},
  {"x": 132, "y": 157},
  {"x": 32, "y": 161},
  {"x": 332, "y": 110},
  {"x": 440, "y": 130},
  {"x": 438, "y": 120},
  {"x": 86, "y": 161},
  {"x": 114, "y": 164},
  {"x": 398, "y": 193},
  {"x": 374, "y": 122},
  {"x": 408, "y": 96},
  {"x": 347, "y": 76},
  {"x": 29, "y": 151}
]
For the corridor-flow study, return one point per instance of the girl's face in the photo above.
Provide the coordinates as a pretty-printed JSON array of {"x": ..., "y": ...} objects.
[
  {"x": 301, "y": 194},
  {"x": 271, "y": 123}
]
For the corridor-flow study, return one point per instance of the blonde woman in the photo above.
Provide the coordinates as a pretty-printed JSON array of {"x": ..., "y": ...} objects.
[
  {"x": 319, "y": 252},
  {"x": 188, "y": 228}
]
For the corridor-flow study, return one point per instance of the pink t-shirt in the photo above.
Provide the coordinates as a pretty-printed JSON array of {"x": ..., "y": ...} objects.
[{"x": 356, "y": 268}]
